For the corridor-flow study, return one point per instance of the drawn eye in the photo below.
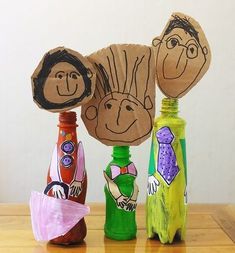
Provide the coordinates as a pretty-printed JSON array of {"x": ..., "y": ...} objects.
[
  {"x": 171, "y": 43},
  {"x": 108, "y": 106},
  {"x": 129, "y": 108},
  {"x": 74, "y": 75},
  {"x": 59, "y": 75},
  {"x": 192, "y": 51}
]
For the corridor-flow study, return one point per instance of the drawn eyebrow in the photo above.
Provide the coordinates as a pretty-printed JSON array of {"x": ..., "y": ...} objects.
[
  {"x": 195, "y": 42},
  {"x": 109, "y": 100},
  {"x": 174, "y": 35},
  {"x": 57, "y": 73},
  {"x": 74, "y": 72},
  {"x": 126, "y": 99}
]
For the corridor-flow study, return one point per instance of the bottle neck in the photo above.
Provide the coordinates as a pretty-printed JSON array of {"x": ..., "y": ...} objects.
[
  {"x": 67, "y": 119},
  {"x": 169, "y": 107},
  {"x": 121, "y": 154},
  {"x": 67, "y": 127}
]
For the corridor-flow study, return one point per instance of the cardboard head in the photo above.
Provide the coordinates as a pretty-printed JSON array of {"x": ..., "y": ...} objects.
[
  {"x": 122, "y": 109},
  {"x": 64, "y": 79},
  {"x": 182, "y": 55}
]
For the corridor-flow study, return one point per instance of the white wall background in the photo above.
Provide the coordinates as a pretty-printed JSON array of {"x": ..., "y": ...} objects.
[{"x": 27, "y": 134}]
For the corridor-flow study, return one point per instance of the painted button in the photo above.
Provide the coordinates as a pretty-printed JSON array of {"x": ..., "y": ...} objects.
[
  {"x": 67, "y": 147},
  {"x": 67, "y": 160}
]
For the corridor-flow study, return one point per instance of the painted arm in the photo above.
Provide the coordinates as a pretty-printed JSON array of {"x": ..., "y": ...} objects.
[
  {"x": 80, "y": 169},
  {"x": 53, "y": 170},
  {"x": 56, "y": 185},
  {"x": 135, "y": 192},
  {"x": 153, "y": 183},
  {"x": 131, "y": 204},
  {"x": 120, "y": 199},
  {"x": 76, "y": 185}
]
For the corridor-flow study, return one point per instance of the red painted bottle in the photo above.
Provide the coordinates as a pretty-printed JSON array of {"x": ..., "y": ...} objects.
[{"x": 67, "y": 177}]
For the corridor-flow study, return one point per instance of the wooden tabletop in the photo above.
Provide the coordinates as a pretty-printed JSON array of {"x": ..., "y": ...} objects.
[{"x": 211, "y": 228}]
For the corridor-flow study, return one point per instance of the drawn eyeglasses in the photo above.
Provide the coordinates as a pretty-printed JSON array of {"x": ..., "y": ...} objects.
[{"x": 191, "y": 49}]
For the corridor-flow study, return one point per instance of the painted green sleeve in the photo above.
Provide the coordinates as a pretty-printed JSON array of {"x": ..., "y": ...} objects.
[
  {"x": 152, "y": 168},
  {"x": 183, "y": 147}
]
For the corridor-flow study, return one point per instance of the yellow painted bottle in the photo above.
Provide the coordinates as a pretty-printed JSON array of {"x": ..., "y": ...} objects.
[{"x": 166, "y": 207}]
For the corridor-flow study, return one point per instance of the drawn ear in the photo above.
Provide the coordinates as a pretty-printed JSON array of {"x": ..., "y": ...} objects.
[
  {"x": 89, "y": 73},
  {"x": 91, "y": 112},
  {"x": 148, "y": 103},
  {"x": 205, "y": 50},
  {"x": 156, "y": 41}
]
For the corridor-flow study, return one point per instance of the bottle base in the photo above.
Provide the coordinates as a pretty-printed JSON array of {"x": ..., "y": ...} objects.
[
  {"x": 120, "y": 236},
  {"x": 166, "y": 238},
  {"x": 75, "y": 235}
]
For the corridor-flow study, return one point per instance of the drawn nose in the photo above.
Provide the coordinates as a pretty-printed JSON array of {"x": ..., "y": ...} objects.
[
  {"x": 67, "y": 82},
  {"x": 118, "y": 115},
  {"x": 180, "y": 56}
]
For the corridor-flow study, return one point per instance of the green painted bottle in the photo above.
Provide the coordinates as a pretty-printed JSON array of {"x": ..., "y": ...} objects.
[
  {"x": 121, "y": 194},
  {"x": 166, "y": 207}
]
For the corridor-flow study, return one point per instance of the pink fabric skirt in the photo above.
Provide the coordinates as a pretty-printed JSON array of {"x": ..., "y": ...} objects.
[{"x": 52, "y": 217}]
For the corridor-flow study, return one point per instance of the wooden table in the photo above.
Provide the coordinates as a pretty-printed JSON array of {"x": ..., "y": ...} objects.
[{"x": 211, "y": 228}]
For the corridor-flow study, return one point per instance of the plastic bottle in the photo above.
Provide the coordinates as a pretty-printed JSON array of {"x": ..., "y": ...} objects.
[
  {"x": 166, "y": 207},
  {"x": 67, "y": 160},
  {"x": 121, "y": 195}
]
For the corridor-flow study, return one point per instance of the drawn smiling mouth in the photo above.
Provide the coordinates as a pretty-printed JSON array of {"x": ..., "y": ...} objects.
[
  {"x": 66, "y": 94},
  {"x": 122, "y": 132},
  {"x": 180, "y": 74}
]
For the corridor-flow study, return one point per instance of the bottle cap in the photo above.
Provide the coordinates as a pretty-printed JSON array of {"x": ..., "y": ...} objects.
[
  {"x": 68, "y": 117},
  {"x": 121, "y": 151},
  {"x": 169, "y": 105}
]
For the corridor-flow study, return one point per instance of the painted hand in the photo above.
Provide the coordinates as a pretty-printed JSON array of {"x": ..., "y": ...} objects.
[
  {"x": 75, "y": 188},
  {"x": 58, "y": 192},
  {"x": 153, "y": 185},
  {"x": 121, "y": 201},
  {"x": 131, "y": 205}
]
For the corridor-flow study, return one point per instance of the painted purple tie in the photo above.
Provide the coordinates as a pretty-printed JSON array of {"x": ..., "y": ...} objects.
[{"x": 167, "y": 164}]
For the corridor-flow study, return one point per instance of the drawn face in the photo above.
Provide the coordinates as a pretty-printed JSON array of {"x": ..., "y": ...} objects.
[
  {"x": 181, "y": 53},
  {"x": 122, "y": 118},
  {"x": 63, "y": 79},
  {"x": 122, "y": 109},
  {"x": 63, "y": 84},
  {"x": 182, "y": 57}
]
